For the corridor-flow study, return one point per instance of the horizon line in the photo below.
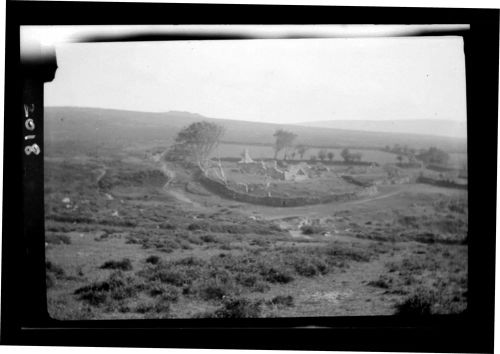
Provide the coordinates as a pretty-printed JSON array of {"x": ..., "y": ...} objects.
[{"x": 258, "y": 121}]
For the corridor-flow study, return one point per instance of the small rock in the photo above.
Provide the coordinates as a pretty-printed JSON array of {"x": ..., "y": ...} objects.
[{"x": 66, "y": 200}]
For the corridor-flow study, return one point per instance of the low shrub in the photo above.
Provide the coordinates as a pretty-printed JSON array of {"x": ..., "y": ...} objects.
[
  {"x": 116, "y": 287},
  {"x": 419, "y": 303},
  {"x": 179, "y": 273},
  {"x": 237, "y": 308},
  {"x": 216, "y": 285},
  {"x": 213, "y": 291},
  {"x": 124, "y": 264},
  {"x": 153, "y": 260},
  {"x": 308, "y": 265},
  {"x": 311, "y": 229},
  {"x": 273, "y": 275},
  {"x": 167, "y": 292}
]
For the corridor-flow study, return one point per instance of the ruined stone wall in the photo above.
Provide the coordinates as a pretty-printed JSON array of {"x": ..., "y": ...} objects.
[
  {"x": 222, "y": 190},
  {"x": 397, "y": 180},
  {"x": 441, "y": 183}
]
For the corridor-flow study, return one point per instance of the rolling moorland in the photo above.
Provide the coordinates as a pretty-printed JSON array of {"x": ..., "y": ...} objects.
[
  {"x": 415, "y": 126},
  {"x": 121, "y": 242}
]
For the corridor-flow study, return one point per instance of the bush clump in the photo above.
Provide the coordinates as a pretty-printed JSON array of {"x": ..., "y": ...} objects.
[
  {"x": 274, "y": 275},
  {"x": 116, "y": 287},
  {"x": 420, "y": 303},
  {"x": 124, "y": 264},
  {"x": 311, "y": 229},
  {"x": 153, "y": 260},
  {"x": 167, "y": 292}
]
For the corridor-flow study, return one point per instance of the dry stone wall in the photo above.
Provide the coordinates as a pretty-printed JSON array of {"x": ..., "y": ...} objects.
[{"x": 222, "y": 190}]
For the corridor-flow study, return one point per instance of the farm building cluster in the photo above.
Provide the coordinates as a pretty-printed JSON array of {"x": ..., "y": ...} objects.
[
  {"x": 280, "y": 178},
  {"x": 293, "y": 178}
]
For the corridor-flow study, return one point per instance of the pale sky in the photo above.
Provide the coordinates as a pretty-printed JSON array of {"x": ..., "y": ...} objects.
[{"x": 271, "y": 80}]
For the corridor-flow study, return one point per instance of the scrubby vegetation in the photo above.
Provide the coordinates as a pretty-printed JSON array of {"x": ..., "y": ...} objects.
[{"x": 126, "y": 248}]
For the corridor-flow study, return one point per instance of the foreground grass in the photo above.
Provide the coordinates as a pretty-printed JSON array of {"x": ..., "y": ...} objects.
[{"x": 222, "y": 280}]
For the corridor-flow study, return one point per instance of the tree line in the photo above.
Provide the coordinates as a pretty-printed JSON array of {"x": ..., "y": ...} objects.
[{"x": 195, "y": 143}]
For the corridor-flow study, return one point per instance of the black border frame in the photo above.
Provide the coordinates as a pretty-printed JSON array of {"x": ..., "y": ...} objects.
[{"x": 24, "y": 319}]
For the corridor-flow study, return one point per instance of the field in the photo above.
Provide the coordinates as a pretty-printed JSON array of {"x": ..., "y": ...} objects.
[
  {"x": 120, "y": 244},
  {"x": 265, "y": 152}
]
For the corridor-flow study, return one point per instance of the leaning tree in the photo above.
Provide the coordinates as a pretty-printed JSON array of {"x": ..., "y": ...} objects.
[{"x": 195, "y": 143}]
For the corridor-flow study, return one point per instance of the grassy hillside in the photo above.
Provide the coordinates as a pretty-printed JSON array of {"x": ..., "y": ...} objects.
[
  {"x": 106, "y": 127},
  {"x": 443, "y": 128}
]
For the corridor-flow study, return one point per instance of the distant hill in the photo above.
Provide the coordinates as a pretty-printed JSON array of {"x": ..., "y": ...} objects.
[
  {"x": 445, "y": 128},
  {"x": 105, "y": 127}
]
